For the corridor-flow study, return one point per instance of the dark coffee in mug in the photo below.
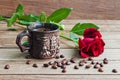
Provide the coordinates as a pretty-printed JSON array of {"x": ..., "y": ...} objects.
[{"x": 43, "y": 40}]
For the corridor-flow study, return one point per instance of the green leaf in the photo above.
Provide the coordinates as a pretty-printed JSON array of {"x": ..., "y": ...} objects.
[
  {"x": 59, "y": 15},
  {"x": 22, "y": 22},
  {"x": 43, "y": 17},
  {"x": 74, "y": 37},
  {"x": 20, "y": 10},
  {"x": 36, "y": 18},
  {"x": 28, "y": 18},
  {"x": 61, "y": 26},
  {"x": 26, "y": 43},
  {"x": 11, "y": 20},
  {"x": 1, "y": 18},
  {"x": 79, "y": 28},
  {"x": 66, "y": 37}
]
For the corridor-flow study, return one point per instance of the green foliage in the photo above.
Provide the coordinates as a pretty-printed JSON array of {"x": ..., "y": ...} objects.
[
  {"x": 79, "y": 28},
  {"x": 1, "y": 18},
  {"x": 61, "y": 26},
  {"x": 43, "y": 17},
  {"x": 26, "y": 44},
  {"x": 11, "y": 20},
  {"x": 59, "y": 15},
  {"x": 20, "y": 10}
]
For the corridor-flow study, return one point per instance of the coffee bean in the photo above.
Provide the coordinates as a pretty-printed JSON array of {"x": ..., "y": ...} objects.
[
  {"x": 96, "y": 66},
  {"x": 114, "y": 71},
  {"x": 45, "y": 65},
  {"x": 56, "y": 63},
  {"x": 87, "y": 66},
  {"x": 105, "y": 61},
  {"x": 64, "y": 71},
  {"x": 90, "y": 59},
  {"x": 101, "y": 65},
  {"x": 76, "y": 67},
  {"x": 72, "y": 60},
  {"x": 35, "y": 65},
  {"x": 54, "y": 66},
  {"x": 92, "y": 62},
  {"x": 64, "y": 61},
  {"x": 28, "y": 62},
  {"x": 97, "y": 63},
  {"x": 28, "y": 57},
  {"x": 63, "y": 66},
  {"x": 81, "y": 64},
  {"x": 100, "y": 69},
  {"x": 67, "y": 63},
  {"x": 57, "y": 57},
  {"x": 50, "y": 63},
  {"x": 7, "y": 66},
  {"x": 62, "y": 56},
  {"x": 59, "y": 64}
]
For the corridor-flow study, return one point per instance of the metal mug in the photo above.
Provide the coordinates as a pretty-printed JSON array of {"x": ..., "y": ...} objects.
[{"x": 43, "y": 40}]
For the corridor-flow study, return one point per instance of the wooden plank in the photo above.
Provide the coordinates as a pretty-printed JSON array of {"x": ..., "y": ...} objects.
[
  {"x": 59, "y": 77},
  {"x": 105, "y": 25},
  {"x": 10, "y": 43},
  {"x": 15, "y": 54},
  {"x": 20, "y": 67},
  {"x": 97, "y": 22},
  {"x": 82, "y": 9}
]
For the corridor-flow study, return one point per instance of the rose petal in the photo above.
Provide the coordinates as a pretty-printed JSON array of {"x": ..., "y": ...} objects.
[
  {"x": 81, "y": 44},
  {"x": 84, "y": 55},
  {"x": 92, "y": 33}
]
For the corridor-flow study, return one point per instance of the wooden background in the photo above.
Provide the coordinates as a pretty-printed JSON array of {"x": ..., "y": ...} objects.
[{"x": 82, "y": 9}]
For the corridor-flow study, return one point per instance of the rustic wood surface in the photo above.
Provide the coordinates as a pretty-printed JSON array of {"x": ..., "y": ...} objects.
[
  {"x": 82, "y": 9},
  {"x": 10, "y": 54}
]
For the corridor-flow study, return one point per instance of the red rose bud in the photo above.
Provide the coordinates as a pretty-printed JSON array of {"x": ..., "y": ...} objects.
[
  {"x": 92, "y": 33},
  {"x": 92, "y": 45}
]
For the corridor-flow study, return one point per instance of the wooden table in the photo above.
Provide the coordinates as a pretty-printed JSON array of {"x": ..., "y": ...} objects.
[{"x": 11, "y": 55}]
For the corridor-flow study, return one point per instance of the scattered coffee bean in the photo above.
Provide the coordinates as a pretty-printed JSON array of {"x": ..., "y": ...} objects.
[
  {"x": 59, "y": 64},
  {"x": 62, "y": 56},
  {"x": 105, "y": 61},
  {"x": 7, "y": 66},
  {"x": 96, "y": 66},
  {"x": 57, "y": 57},
  {"x": 28, "y": 57},
  {"x": 54, "y": 66},
  {"x": 50, "y": 63},
  {"x": 35, "y": 65},
  {"x": 64, "y": 71},
  {"x": 87, "y": 66},
  {"x": 67, "y": 63},
  {"x": 64, "y": 61},
  {"x": 81, "y": 64},
  {"x": 92, "y": 62},
  {"x": 76, "y": 67},
  {"x": 114, "y": 71},
  {"x": 101, "y": 65},
  {"x": 100, "y": 69},
  {"x": 63, "y": 67},
  {"x": 97, "y": 63},
  {"x": 72, "y": 60},
  {"x": 90, "y": 59},
  {"x": 28, "y": 62},
  {"x": 45, "y": 65}
]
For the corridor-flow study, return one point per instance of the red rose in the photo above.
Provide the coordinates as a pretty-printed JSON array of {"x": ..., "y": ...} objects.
[
  {"x": 92, "y": 44},
  {"x": 92, "y": 33}
]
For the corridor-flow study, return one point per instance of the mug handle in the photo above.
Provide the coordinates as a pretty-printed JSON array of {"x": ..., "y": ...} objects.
[{"x": 19, "y": 38}]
